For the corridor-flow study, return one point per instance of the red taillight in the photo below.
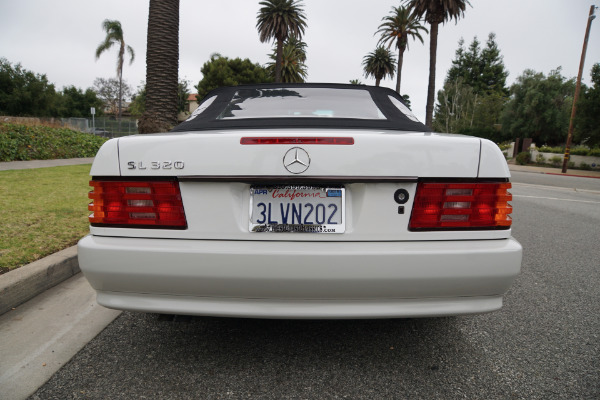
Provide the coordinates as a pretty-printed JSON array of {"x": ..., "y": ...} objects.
[
  {"x": 461, "y": 206},
  {"x": 137, "y": 204},
  {"x": 297, "y": 140}
]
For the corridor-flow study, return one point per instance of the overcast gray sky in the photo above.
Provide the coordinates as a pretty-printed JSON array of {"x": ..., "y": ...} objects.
[{"x": 59, "y": 38}]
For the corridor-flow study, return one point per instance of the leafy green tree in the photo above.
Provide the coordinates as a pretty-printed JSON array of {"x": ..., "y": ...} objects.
[
  {"x": 162, "y": 67},
  {"x": 406, "y": 99},
  {"x": 293, "y": 68},
  {"x": 474, "y": 92},
  {"x": 435, "y": 12},
  {"x": 356, "y": 82},
  {"x": 539, "y": 107},
  {"x": 493, "y": 72},
  {"x": 138, "y": 101},
  {"x": 221, "y": 71},
  {"x": 487, "y": 118},
  {"x": 280, "y": 20},
  {"x": 76, "y": 103},
  {"x": 108, "y": 90},
  {"x": 481, "y": 69},
  {"x": 379, "y": 64},
  {"x": 399, "y": 27},
  {"x": 183, "y": 92},
  {"x": 587, "y": 118},
  {"x": 460, "y": 109},
  {"x": 455, "y": 110},
  {"x": 25, "y": 93},
  {"x": 114, "y": 35}
]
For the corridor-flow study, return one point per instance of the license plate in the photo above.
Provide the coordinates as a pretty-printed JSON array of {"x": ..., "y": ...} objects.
[{"x": 307, "y": 209}]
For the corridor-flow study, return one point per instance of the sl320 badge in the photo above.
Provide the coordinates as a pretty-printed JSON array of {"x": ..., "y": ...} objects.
[{"x": 155, "y": 165}]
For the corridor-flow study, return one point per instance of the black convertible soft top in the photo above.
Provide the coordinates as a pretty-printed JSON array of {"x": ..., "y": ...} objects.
[{"x": 302, "y": 105}]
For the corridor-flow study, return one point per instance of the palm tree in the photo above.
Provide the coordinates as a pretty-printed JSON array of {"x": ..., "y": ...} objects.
[
  {"x": 280, "y": 20},
  {"x": 114, "y": 35},
  {"x": 379, "y": 63},
  {"x": 399, "y": 27},
  {"x": 435, "y": 12},
  {"x": 293, "y": 68},
  {"x": 162, "y": 65}
]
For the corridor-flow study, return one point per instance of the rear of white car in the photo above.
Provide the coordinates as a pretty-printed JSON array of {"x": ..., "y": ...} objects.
[{"x": 300, "y": 222}]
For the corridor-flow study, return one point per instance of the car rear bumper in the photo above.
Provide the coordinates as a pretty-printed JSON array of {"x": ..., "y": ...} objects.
[{"x": 300, "y": 279}]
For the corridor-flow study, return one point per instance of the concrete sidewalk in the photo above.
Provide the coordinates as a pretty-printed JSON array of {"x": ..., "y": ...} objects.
[
  {"x": 42, "y": 335},
  {"x": 5, "y": 166},
  {"x": 554, "y": 171}
]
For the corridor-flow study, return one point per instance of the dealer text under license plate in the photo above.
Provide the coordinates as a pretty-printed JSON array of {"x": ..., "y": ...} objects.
[{"x": 308, "y": 209}]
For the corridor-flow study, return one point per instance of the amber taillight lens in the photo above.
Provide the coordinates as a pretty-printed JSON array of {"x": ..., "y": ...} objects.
[
  {"x": 153, "y": 204},
  {"x": 461, "y": 206}
]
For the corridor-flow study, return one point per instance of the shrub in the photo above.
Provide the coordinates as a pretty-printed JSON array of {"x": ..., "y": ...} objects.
[
  {"x": 548, "y": 149},
  {"x": 585, "y": 166},
  {"x": 524, "y": 158},
  {"x": 556, "y": 160},
  {"x": 595, "y": 152},
  {"x": 504, "y": 146},
  {"x": 580, "y": 151},
  {"x": 540, "y": 159},
  {"x": 575, "y": 150}
]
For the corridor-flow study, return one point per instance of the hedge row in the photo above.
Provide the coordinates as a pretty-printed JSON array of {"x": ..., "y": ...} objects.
[
  {"x": 575, "y": 151},
  {"x": 23, "y": 142}
]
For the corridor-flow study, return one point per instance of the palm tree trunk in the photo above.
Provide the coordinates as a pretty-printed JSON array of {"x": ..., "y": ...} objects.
[
  {"x": 399, "y": 77},
  {"x": 120, "y": 99},
  {"x": 120, "y": 73},
  {"x": 279, "y": 61},
  {"x": 162, "y": 65},
  {"x": 377, "y": 81},
  {"x": 433, "y": 34}
]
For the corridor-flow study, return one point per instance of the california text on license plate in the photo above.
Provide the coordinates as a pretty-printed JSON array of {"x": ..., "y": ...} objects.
[{"x": 309, "y": 209}]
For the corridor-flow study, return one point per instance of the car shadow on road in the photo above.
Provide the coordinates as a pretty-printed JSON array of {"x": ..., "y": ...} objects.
[{"x": 180, "y": 356}]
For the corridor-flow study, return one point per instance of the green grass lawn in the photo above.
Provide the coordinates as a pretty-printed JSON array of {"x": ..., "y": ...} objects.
[{"x": 42, "y": 211}]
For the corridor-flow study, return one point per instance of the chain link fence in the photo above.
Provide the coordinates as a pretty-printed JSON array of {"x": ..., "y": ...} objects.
[{"x": 111, "y": 127}]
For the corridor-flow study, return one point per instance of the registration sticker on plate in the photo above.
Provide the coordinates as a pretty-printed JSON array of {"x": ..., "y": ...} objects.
[{"x": 307, "y": 209}]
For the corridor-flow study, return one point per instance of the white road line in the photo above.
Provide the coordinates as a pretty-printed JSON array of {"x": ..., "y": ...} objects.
[{"x": 555, "y": 198}]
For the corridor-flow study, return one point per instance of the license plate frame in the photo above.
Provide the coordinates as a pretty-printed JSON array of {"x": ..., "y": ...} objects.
[{"x": 297, "y": 209}]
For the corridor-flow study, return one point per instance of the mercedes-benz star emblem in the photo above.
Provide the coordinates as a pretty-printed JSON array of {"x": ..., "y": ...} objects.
[{"x": 296, "y": 160}]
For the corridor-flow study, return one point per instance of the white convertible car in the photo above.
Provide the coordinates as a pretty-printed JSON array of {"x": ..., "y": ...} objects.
[{"x": 301, "y": 201}]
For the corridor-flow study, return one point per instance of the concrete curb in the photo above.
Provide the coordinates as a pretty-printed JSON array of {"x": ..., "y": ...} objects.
[
  {"x": 578, "y": 176},
  {"x": 22, "y": 284}
]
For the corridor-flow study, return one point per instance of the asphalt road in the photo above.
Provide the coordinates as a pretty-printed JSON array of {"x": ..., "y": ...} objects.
[{"x": 543, "y": 344}]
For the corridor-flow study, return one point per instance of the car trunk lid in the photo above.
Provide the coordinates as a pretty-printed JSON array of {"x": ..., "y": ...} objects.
[{"x": 373, "y": 154}]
